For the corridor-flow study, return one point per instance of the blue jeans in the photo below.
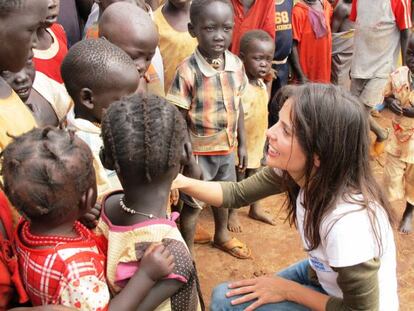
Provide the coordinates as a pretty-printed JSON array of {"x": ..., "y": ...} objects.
[{"x": 297, "y": 273}]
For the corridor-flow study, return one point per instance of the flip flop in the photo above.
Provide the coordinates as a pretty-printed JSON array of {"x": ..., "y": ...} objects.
[{"x": 235, "y": 248}]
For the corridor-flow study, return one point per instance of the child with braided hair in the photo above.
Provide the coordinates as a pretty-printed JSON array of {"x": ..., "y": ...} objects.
[
  {"x": 144, "y": 140},
  {"x": 49, "y": 177}
]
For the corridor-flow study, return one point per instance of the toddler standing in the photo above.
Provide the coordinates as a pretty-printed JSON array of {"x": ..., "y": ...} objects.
[
  {"x": 256, "y": 51},
  {"x": 399, "y": 166}
]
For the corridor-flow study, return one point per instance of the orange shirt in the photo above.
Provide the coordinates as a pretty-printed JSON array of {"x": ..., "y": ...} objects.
[
  {"x": 314, "y": 54},
  {"x": 260, "y": 16}
]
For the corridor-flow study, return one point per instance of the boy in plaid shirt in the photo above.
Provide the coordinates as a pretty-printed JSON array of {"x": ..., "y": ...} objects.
[{"x": 207, "y": 88}]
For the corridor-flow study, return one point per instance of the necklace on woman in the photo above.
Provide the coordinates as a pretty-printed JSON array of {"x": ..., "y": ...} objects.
[{"x": 132, "y": 211}]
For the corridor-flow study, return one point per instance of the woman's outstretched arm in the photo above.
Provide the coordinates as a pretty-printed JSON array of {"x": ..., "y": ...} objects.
[{"x": 232, "y": 194}]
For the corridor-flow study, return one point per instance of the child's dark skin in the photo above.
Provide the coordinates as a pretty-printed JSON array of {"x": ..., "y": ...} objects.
[
  {"x": 257, "y": 61},
  {"x": 139, "y": 196},
  {"x": 18, "y": 37},
  {"x": 340, "y": 21},
  {"x": 91, "y": 104},
  {"x": 45, "y": 39},
  {"x": 138, "y": 40},
  {"x": 156, "y": 263},
  {"x": 213, "y": 31},
  {"x": 177, "y": 14},
  {"x": 21, "y": 82},
  {"x": 394, "y": 105}
]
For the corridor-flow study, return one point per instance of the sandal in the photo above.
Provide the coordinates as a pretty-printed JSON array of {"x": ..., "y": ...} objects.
[{"x": 235, "y": 248}]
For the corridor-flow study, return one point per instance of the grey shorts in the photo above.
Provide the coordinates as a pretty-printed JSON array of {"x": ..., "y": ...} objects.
[
  {"x": 369, "y": 91},
  {"x": 214, "y": 168}
]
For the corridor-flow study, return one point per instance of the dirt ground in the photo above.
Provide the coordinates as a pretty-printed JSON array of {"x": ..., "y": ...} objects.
[{"x": 276, "y": 247}]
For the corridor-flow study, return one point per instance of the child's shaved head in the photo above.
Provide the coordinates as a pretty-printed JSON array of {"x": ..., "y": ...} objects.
[
  {"x": 10, "y": 5},
  {"x": 130, "y": 28},
  {"x": 90, "y": 63}
]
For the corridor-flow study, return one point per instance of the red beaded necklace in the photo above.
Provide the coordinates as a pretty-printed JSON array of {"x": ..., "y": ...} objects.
[{"x": 50, "y": 240}]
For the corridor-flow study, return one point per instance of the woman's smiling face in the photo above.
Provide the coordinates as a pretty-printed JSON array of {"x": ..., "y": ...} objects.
[{"x": 284, "y": 150}]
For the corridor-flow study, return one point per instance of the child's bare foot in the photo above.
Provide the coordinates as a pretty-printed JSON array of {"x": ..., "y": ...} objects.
[
  {"x": 234, "y": 224},
  {"x": 407, "y": 219},
  {"x": 405, "y": 225},
  {"x": 258, "y": 213}
]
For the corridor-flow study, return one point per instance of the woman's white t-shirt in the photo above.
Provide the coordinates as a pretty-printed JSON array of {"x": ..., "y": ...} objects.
[{"x": 347, "y": 239}]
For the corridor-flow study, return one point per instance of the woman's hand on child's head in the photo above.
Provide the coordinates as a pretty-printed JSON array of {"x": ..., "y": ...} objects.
[
  {"x": 90, "y": 219},
  {"x": 157, "y": 262}
]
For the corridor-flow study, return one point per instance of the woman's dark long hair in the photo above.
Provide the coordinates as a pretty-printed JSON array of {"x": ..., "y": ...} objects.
[{"x": 333, "y": 125}]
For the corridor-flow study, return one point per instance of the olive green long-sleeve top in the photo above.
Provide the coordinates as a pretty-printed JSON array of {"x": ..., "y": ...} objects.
[{"x": 359, "y": 283}]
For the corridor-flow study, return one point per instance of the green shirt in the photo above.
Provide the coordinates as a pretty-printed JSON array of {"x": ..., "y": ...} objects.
[{"x": 359, "y": 283}]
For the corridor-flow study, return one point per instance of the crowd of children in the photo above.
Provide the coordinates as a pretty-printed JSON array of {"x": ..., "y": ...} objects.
[{"x": 94, "y": 132}]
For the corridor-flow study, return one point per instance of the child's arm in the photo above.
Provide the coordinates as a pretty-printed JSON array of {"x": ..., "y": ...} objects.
[
  {"x": 294, "y": 61},
  {"x": 156, "y": 263},
  {"x": 241, "y": 139},
  {"x": 393, "y": 104},
  {"x": 408, "y": 112},
  {"x": 340, "y": 14},
  {"x": 404, "y": 38}
]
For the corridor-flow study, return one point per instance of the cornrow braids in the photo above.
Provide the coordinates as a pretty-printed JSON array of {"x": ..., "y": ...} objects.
[
  {"x": 144, "y": 135},
  {"x": 197, "y": 8},
  {"x": 45, "y": 173},
  {"x": 251, "y": 35}
]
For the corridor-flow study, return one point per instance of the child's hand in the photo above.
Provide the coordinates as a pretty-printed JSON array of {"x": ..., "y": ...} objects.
[
  {"x": 157, "y": 262},
  {"x": 90, "y": 219},
  {"x": 408, "y": 112},
  {"x": 394, "y": 105},
  {"x": 242, "y": 154}
]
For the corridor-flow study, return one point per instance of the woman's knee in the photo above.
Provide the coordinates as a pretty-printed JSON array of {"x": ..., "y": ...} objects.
[{"x": 219, "y": 301}]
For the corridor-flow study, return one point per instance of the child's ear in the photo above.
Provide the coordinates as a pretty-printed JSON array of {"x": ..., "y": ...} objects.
[
  {"x": 106, "y": 160},
  {"x": 191, "y": 30},
  {"x": 187, "y": 153},
  {"x": 86, "y": 98}
]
